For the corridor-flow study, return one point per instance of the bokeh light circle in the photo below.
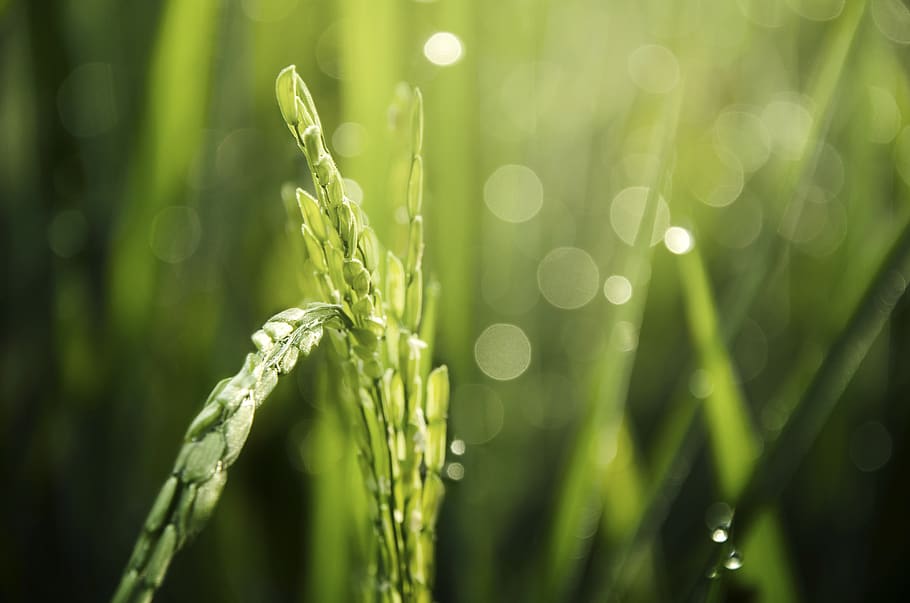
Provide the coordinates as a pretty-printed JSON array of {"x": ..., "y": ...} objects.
[
  {"x": 870, "y": 446},
  {"x": 617, "y": 289},
  {"x": 884, "y": 115},
  {"x": 568, "y": 277},
  {"x": 503, "y": 351},
  {"x": 628, "y": 209},
  {"x": 654, "y": 68},
  {"x": 892, "y": 17},
  {"x": 745, "y": 136},
  {"x": 513, "y": 193},
  {"x": 349, "y": 139},
  {"x": 817, "y": 10},
  {"x": 790, "y": 124},
  {"x": 678, "y": 240},
  {"x": 175, "y": 233},
  {"x": 443, "y": 48},
  {"x": 902, "y": 154},
  {"x": 477, "y": 414}
]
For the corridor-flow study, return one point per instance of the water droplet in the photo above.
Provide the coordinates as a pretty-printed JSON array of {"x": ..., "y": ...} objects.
[
  {"x": 734, "y": 561},
  {"x": 713, "y": 574},
  {"x": 719, "y": 515},
  {"x": 720, "y": 535}
]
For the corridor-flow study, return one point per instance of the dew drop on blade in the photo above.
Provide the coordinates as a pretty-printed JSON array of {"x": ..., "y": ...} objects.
[
  {"x": 719, "y": 535},
  {"x": 734, "y": 561}
]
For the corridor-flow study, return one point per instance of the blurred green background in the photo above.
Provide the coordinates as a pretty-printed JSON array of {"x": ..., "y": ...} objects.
[{"x": 612, "y": 399}]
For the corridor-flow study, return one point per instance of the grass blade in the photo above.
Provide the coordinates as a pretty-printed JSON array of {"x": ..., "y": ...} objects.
[
  {"x": 585, "y": 471},
  {"x": 831, "y": 380}
]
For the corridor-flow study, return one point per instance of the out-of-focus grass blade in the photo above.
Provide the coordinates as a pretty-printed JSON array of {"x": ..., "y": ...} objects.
[
  {"x": 793, "y": 187},
  {"x": 372, "y": 41},
  {"x": 733, "y": 438},
  {"x": 451, "y": 181},
  {"x": 333, "y": 519},
  {"x": 678, "y": 438},
  {"x": 831, "y": 380},
  {"x": 167, "y": 140},
  {"x": 730, "y": 429},
  {"x": 772, "y": 473},
  {"x": 602, "y": 418}
]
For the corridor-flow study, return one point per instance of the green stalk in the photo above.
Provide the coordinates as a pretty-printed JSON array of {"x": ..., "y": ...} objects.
[{"x": 399, "y": 407}]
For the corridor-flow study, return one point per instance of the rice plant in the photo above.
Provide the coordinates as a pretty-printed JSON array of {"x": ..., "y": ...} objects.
[
  {"x": 399, "y": 405},
  {"x": 673, "y": 241}
]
